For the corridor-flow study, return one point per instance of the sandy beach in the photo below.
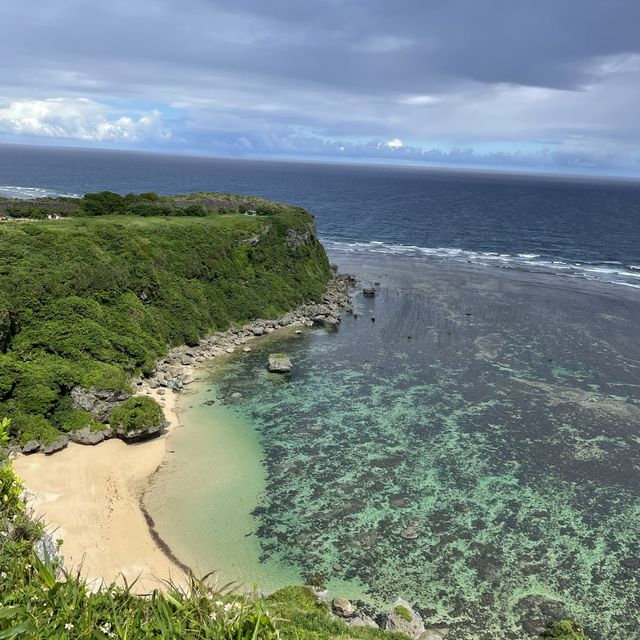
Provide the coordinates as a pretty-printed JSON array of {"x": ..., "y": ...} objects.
[{"x": 90, "y": 498}]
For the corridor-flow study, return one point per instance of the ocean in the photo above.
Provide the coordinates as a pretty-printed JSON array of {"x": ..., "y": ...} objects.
[{"x": 468, "y": 439}]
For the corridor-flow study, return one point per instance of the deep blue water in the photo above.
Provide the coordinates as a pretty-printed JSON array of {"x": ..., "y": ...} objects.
[
  {"x": 492, "y": 414},
  {"x": 582, "y": 227}
]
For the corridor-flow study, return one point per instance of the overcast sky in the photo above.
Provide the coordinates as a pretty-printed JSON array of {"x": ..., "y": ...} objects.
[{"x": 525, "y": 84}]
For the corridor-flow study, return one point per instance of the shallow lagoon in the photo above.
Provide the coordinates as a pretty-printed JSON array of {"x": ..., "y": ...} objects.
[{"x": 474, "y": 450}]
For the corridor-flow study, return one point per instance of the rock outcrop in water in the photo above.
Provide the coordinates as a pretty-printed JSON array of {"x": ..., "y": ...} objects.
[
  {"x": 403, "y": 619},
  {"x": 279, "y": 363}
]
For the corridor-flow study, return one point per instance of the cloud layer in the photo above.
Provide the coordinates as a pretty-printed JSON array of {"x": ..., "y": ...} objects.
[{"x": 550, "y": 84}]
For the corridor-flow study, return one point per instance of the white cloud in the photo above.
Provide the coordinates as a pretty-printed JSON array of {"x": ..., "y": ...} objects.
[
  {"x": 80, "y": 119},
  {"x": 396, "y": 143}
]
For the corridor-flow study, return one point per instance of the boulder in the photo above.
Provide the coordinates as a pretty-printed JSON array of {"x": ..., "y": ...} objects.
[
  {"x": 362, "y": 620},
  {"x": 100, "y": 403},
  {"x": 186, "y": 359},
  {"x": 331, "y": 321},
  {"x": 247, "y": 349},
  {"x": 140, "y": 434},
  {"x": 31, "y": 447},
  {"x": 410, "y": 532},
  {"x": 403, "y": 619},
  {"x": 56, "y": 445},
  {"x": 188, "y": 380},
  {"x": 87, "y": 436},
  {"x": 342, "y": 607},
  {"x": 279, "y": 363},
  {"x": 369, "y": 292}
]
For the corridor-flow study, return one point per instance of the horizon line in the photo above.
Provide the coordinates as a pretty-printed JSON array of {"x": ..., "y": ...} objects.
[{"x": 356, "y": 162}]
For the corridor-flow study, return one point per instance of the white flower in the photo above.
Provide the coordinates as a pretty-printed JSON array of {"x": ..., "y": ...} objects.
[
  {"x": 68, "y": 626},
  {"x": 3, "y": 575}
]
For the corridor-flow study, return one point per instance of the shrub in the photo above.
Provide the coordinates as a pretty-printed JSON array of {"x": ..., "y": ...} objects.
[
  {"x": 564, "y": 630},
  {"x": 103, "y": 203},
  {"x": 137, "y": 414},
  {"x": 68, "y": 419},
  {"x": 403, "y": 612}
]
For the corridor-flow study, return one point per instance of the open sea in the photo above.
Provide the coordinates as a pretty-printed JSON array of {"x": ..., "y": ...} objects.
[{"x": 475, "y": 449}]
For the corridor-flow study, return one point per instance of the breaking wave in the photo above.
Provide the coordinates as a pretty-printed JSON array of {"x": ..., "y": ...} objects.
[
  {"x": 28, "y": 193},
  {"x": 609, "y": 271}
]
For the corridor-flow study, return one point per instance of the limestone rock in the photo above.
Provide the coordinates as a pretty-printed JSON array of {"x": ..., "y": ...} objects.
[
  {"x": 100, "y": 403},
  {"x": 140, "y": 434},
  {"x": 403, "y": 619},
  {"x": 410, "y": 532},
  {"x": 279, "y": 363},
  {"x": 362, "y": 620},
  {"x": 56, "y": 445},
  {"x": 31, "y": 447},
  {"x": 342, "y": 607},
  {"x": 87, "y": 436}
]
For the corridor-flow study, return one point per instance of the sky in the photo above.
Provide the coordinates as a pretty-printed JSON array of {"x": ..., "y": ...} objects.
[{"x": 550, "y": 85}]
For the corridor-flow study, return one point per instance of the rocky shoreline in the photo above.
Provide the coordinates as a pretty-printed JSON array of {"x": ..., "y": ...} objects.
[
  {"x": 176, "y": 369},
  {"x": 401, "y": 618}
]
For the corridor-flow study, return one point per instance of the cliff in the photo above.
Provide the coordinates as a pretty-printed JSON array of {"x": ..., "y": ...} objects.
[{"x": 95, "y": 297}]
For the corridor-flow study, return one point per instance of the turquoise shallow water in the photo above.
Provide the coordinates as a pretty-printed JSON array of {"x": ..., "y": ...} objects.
[{"x": 474, "y": 450}]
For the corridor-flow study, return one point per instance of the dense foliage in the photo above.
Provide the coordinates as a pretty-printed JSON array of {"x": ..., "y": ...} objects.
[
  {"x": 564, "y": 630},
  {"x": 108, "y": 203},
  {"x": 91, "y": 301},
  {"x": 137, "y": 414}
]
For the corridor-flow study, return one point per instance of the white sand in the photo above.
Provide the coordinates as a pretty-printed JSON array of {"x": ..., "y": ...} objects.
[{"x": 89, "y": 496}]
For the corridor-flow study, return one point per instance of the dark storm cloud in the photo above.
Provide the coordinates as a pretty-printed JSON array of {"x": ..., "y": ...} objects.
[{"x": 276, "y": 76}]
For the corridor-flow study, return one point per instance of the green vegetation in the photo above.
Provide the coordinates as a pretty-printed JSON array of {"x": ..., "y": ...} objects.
[
  {"x": 137, "y": 414},
  {"x": 108, "y": 203},
  {"x": 300, "y": 617},
  {"x": 564, "y": 630},
  {"x": 93, "y": 301},
  {"x": 403, "y": 612},
  {"x": 40, "y": 600}
]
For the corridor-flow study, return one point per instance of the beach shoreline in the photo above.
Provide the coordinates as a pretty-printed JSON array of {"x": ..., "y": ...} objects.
[{"x": 91, "y": 498}]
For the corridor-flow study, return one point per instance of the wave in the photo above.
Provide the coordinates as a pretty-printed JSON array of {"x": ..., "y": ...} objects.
[
  {"x": 609, "y": 271},
  {"x": 29, "y": 193}
]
